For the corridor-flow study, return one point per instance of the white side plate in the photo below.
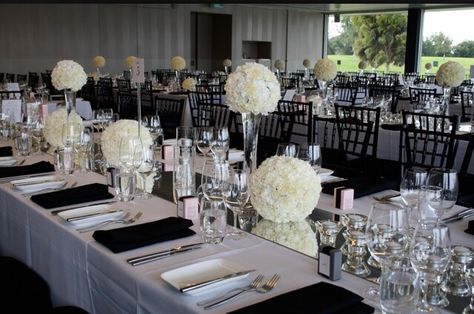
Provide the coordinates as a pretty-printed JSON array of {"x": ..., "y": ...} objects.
[{"x": 200, "y": 272}]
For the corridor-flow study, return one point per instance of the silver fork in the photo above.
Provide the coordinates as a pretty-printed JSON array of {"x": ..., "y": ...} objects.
[
  {"x": 252, "y": 286},
  {"x": 124, "y": 220},
  {"x": 269, "y": 285}
]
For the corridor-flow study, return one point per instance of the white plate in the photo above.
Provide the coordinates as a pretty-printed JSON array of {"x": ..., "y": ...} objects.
[
  {"x": 200, "y": 272},
  {"x": 102, "y": 210},
  {"x": 323, "y": 172}
]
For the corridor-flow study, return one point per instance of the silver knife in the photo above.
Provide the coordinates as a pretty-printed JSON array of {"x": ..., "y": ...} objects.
[
  {"x": 160, "y": 255},
  {"x": 55, "y": 212},
  {"x": 199, "y": 285},
  {"x": 87, "y": 216},
  {"x": 460, "y": 215},
  {"x": 36, "y": 182}
]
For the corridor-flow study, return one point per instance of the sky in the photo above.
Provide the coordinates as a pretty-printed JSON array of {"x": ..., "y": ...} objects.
[{"x": 457, "y": 24}]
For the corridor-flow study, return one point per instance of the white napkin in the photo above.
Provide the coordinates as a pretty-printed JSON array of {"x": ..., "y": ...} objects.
[
  {"x": 36, "y": 187},
  {"x": 7, "y": 161},
  {"x": 104, "y": 211}
]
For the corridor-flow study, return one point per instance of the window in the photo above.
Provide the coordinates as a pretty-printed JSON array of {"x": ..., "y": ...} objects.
[{"x": 377, "y": 39}]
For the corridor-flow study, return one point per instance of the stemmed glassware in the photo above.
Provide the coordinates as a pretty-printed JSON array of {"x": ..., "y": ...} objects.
[
  {"x": 413, "y": 179},
  {"x": 312, "y": 154},
  {"x": 287, "y": 149},
  {"x": 204, "y": 137},
  {"x": 430, "y": 253},
  {"x": 147, "y": 167},
  {"x": 220, "y": 143},
  {"x": 108, "y": 115},
  {"x": 84, "y": 149},
  {"x": 447, "y": 181},
  {"x": 387, "y": 234},
  {"x": 236, "y": 196},
  {"x": 213, "y": 179}
]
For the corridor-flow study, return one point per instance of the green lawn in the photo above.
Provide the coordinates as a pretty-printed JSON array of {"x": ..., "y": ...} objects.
[{"x": 350, "y": 63}]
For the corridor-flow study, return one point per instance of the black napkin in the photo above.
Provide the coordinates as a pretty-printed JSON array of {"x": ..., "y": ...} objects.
[
  {"x": 39, "y": 167},
  {"x": 128, "y": 238},
  {"x": 81, "y": 194},
  {"x": 391, "y": 127},
  {"x": 470, "y": 227},
  {"x": 362, "y": 185},
  {"x": 6, "y": 151},
  {"x": 319, "y": 298}
]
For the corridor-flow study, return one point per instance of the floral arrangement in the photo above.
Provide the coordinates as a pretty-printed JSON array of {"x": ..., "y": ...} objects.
[
  {"x": 178, "y": 63},
  {"x": 280, "y": 64},
  {"x": 307, "y": 63},
  {"x": 450, "y": 74},
  {"x": 362, "y": 65},
  {"x": 428, "y": 66},
  {"x": 98, "y": 61},
  {"x": 112, "y": 135},
  {"x": 53, "y": 126},
  {"x": 284, "y": 189},
  {"x": 189, "y": 84},
  {"x": 252, "y": 87},
  {"x": 68, "y": 74},
  {"x": 227, "y": 62},
  {"x": 296, "y": 235},
  {"x": 325, "y": 69},
  {"x": 129, "y": 61}
]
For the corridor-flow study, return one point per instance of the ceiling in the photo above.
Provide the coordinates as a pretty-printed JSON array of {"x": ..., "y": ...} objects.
[{"x": 362, "y": 7}]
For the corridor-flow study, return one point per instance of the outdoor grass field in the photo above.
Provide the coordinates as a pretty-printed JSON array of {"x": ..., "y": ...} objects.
[{"x": 350, "y": 63}]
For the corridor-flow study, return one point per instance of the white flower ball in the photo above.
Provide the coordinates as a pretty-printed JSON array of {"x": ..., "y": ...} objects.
[
  {"x": 189, "y": 84},
  {"x": 450, "y": 74},
  {"x": 98, "y": 62},
  {"x": 129, "y": 61},
  {"x": 252, "y": 87},
  {"x": 325, "y": 69},
  {"x": 307, "y": 63},
  {"x": 178, "y": 63},
  {"x": 284, "y": 189},
  {"x": 68, "y": 74},
  {"x": 53, "y": 126},
  {"x": 280, "y": 64},
  {"x": 227, "y": 62}
]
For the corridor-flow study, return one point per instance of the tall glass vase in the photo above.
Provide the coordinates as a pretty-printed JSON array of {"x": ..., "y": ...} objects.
[
  {"x": 251, "y": 124},
  {"x": 70, "y": 102},
  {"x": 446, "y": 100}
]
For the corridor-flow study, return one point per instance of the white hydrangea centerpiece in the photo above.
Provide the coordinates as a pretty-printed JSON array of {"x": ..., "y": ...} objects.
[
  {"x": 129, "y": 61},
  {"x": 280, "y": 64},
  {"x": 450, "y": 74},
  {"x": 68, "y": 74},
  {"x": 177, "y": 63},
  {"x": 189, "y": 84},
  {"x": 227, "y": 62},
  {"x": 362, "y": 65},
  {"x": 98, "y": 61},
  {"x": 252, "y": 88},
  {"x": 325, "y": 69},
  {"x": 53, "y": 126},
  {"x": 428, "y": 66},
  {"x": 122, "y": 129},
  {"x": 307, "y": 63},
  {"x": 284, "y": 189},
  {"x": 296, "y": 235}
]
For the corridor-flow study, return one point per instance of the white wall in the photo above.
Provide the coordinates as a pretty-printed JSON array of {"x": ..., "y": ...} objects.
[{"x": 33, "y": 37}]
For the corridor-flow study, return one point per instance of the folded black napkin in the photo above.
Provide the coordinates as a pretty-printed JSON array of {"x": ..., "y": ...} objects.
[
  {"x": 362, "y": 185},
  {"x": 470, "y": 227},
  {"x": 39, "y": 167},
  {"x": 81, "y": 194},
  {"x": 322, "y": 297},
  {"x": 6, "y": 151},
  {"x": 128, "y": 238},
  {"x": 391, "y": 127}
]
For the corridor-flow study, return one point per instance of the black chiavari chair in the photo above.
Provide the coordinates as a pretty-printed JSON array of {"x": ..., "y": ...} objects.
[
  {"x": 466, "y": 106},
  {"x": 273, "y": 130},
  {"x": 170, "y": 111},
  {"x": 299, "y": 115},
  {"x": 105, "y": 94},
  {"x": 420, "y": 95},
  {"x": 10, "y": 77},
  {"x": 466, "y": 179},
  {"x": 388, "y": 92}
]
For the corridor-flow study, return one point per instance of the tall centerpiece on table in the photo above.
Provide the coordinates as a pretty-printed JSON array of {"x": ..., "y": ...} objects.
[
  {"x": 98, "y": 62},
  {"x": 450, "y": 74},
  {"x": 284, "y": 191},
  {"x": 227, "y": 63},
  {"x": 252, "y": 89},
  {"x": 69, "y": 77},
  {"x": 324, "y": 70},
  {"x": 177, "y": 64},
  {"x": 279, "y": 66},
  {"x": 189, "y": 84},
  {"x": 307, "y": 65},
  {"x": 428, "y": 67},
  {"x": 129, "y": 62}
]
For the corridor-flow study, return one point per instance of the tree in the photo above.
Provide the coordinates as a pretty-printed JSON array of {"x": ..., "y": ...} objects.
[
  {"x": 438, "y": 44},
  {"x": 342, "y": 43},
  {"x": 464, "y": 49},
  {"x": 380, "y": 39}
]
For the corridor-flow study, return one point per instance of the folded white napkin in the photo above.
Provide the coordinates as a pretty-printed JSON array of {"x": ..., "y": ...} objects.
[
  {"x": 36, "y": 187},
  {"x": 7, "y": 161},
  {"x": 98, "y": 213}
]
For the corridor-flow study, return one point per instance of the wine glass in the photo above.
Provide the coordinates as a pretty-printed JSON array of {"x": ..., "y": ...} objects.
[
  {"x": 413, "y": 179},
  {"x": 130, "y": 153},
  {"x": 108, "y": 115},
  {"x": 312, "y": 154},
  {"x": 71, "y": 133},
  {"x": 147, "y": 167},
  {"x": 287, "y": 149},
  {"x": 447, "y": 180},
  {"x": 204, "y": 137},
  {"x": 236, "y": 195},
  {"x": 213, "y": 180},
  {"x": 430, "y": 254},
  {"x": 387, "y": 235},
  {"x": 83, "y": 148},
  {"x": 220, "y": 143},
  {"x": 97, "y": 119}
]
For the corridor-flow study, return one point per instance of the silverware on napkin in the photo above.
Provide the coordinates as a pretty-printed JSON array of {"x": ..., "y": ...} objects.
[
  {"x": 194, "y": 286},
  {"x": 87, "y": 216},
  {"x": 139, "y": 260},
  {"x": 57, "y": 211}
]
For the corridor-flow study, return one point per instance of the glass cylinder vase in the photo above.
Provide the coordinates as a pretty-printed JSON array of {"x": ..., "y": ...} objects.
[
  {"x": 250, "y": 124},
  {"x": 70, "y": 102},
  {"x": 446, "y": 99}
]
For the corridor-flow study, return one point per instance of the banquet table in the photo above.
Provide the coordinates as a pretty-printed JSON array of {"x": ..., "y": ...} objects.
[{"x": 82, "y": 272}]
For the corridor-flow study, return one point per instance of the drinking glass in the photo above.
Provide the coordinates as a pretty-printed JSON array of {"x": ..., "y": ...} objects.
[
  {"x": 148, "y": 165},
  {"x": 125, "y": 184},
  {"x": 312, "y": 154},
  {"x": 98, "y": 119},
  {"x": 410, "y": 186},
  {"x": 130, "y": 153},
  {"x": 213, "y": 180},
  {"x": 24, "y": 140},
  {"x": 71, "y": 133},
  {"x": 236, "y": 195},
  {"x": 83, "y": 148},
  {"x": 387, "y": 234},
  {"x": 430, "y": 252},
  {"x": 213, "y": 220},
  {"x": 447, "y": 180},
  {"x": 220, "y": 143},
  {"x": 287, "y": 149},
  {"x": 153, "y": 124},
  {"x": 204, "y": 137}
]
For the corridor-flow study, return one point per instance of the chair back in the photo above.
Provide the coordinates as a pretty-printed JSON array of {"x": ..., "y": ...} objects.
[
  {"x": 170, "y": 111},
  {"x": 215, "y": 115},
  {"x": 466, "y": 105},
  {"x": 419, "y": 95},
  {"x": 428, "y": 140},
  {"x": 299, "y": 115},
  {"x": 273, "y": 130},
  {"x": 388, "y": 92},
  {"x": 346, "y": 95}
]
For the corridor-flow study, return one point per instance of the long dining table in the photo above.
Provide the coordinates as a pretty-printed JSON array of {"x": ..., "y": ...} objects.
[{"x": 82, "y": 272}]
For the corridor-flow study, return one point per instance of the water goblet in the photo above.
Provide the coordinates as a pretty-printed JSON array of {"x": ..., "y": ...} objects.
[
  {"x": 213, "y": 180},
  {"x": 204, "y": 137},
  {"x": 447, "y": 180},
  {"x": 312, "y": 154},
  {"x": 287, "y": 149},
  {"x": 410, "y": 186},
  {"x": 236, "y": 195},
  {"x": 220, "y": 143}
]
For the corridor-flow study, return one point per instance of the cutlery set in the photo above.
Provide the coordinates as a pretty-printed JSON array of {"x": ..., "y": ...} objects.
[
  {"x": 467, "y": 213},
  {"x": 124, "y": 220},
  {"x": 140, "y": 260}
]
